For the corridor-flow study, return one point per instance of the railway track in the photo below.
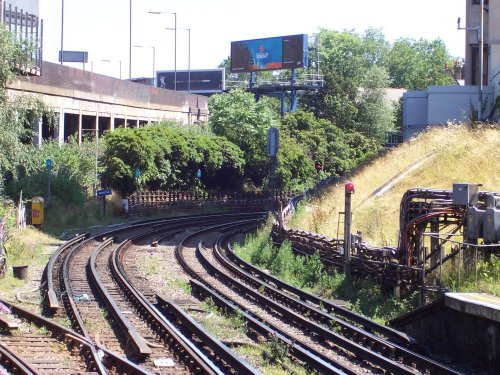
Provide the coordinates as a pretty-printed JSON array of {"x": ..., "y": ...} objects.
[
  {"x": 40, "y": 346},
  {"x": 125, "y": 321},
  {"x": 335, "y": 332},
  {"x": 105, "y": 308}
]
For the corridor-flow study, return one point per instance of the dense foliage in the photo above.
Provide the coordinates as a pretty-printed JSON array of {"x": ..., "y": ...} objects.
[
  {"x": 73, "y": 171},
  {"x": 17, "y": 113},
  {"x": 168, "y": 156},
  {"x": 337, "y": 150}
]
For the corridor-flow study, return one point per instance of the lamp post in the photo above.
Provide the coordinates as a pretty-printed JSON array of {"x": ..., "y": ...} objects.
[
  {"x": 118, "y": 61},
  {"x": 62, "y": 32},
  {"x": 175, "y": 45},
  {"x": 130, "y": 44},
  {"x": 154, "y": 58},
  {"x": 189, "y": 56}
]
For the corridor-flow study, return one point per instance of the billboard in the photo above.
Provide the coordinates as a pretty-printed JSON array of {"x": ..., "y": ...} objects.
[
  {"x": 282, "y": 52},
  {"x": 75, "y": 56},
  {"x": 207, "y": 81}
]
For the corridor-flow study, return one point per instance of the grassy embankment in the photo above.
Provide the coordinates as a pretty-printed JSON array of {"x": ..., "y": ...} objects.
[
  {"x": 436, "y": 160},
  {"x": 441, "y": 157}
]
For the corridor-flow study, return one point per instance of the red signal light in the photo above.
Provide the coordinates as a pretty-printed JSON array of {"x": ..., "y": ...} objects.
[{"x": 349, "y": 187}]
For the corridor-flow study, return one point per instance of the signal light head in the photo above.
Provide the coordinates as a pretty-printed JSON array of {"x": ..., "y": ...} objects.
[{"x": 349, "y": 187}]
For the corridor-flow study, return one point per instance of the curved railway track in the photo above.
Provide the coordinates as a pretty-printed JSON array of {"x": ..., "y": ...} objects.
[{"x": 125, "y": 321}]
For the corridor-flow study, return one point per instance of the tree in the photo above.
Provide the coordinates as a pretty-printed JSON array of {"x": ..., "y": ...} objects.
[
  {"x": 168, "y": 156},
  {"x": 244, "y": 122},
  {"x": 16, "y": 113},
  {"x": 353, "y": 94},
  {"x": 415, "y": 65},
  {"x": 338, "y": 151},
  {"x": 375, "y": 115}
]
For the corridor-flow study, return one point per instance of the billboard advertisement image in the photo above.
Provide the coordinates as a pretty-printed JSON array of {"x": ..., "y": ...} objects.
[
  {"x": 283, "y": 52},
  {"x": 207, "y": 81}
]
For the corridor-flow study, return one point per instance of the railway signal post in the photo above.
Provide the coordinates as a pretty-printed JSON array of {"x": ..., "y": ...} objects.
[
  {"x": 349, "y": 190},
  {"x": 272, "y": 151}
]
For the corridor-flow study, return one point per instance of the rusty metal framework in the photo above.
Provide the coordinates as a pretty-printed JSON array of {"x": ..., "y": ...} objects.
[{"x": 434, "y": 243}]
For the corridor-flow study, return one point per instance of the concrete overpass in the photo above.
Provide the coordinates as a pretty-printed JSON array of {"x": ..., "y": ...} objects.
[{"x": 88, "y": 103}]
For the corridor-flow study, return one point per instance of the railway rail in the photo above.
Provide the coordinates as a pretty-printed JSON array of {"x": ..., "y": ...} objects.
[
  {"x": 122, "y": 322},
  {"x": 367, "y": 346}
]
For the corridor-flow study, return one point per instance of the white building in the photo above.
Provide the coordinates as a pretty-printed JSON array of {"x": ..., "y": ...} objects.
[{"x": 443, "y": 104}]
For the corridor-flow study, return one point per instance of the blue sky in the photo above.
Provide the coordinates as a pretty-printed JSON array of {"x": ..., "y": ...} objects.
[{"x": 102, "y": 27}]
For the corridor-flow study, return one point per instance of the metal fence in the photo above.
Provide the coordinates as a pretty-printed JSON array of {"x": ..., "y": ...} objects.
[
  {"x": 28, "y": 30},
  {"x": 453, "y": 262}
]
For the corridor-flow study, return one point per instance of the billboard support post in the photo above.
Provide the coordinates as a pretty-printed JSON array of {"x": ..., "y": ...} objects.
[{"x": 253, "y": 79}]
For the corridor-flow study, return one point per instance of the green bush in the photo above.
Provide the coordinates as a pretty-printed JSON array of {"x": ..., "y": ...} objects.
[{"x": 168, "y": 156}]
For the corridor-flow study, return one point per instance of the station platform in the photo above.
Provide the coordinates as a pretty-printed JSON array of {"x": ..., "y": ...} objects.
[
  {"x": 459, "y": 329},
  {"x": 479, "y": 304}
]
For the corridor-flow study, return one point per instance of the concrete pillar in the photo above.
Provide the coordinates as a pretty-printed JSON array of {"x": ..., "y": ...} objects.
[
  {"x": 59, "y": 130},
  {"x": 37, "y": 130},
  {"x": 96, "y": 132},
  {"x": 80, "y": 128},
  {"x": 112, "y": 121}
]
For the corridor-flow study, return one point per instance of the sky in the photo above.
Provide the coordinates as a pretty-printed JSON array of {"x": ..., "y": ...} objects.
[{"x": 102, "y": 27}]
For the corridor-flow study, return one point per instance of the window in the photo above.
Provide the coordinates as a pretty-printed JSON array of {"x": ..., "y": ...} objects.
[
  {"x": 479, "y": 2},
  {"x": 475, "y": 64}
]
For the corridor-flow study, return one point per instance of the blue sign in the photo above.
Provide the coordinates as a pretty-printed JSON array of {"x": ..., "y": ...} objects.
[
  {"x": 137, "y": 173},
  {"x": 198, "y": 173},
  {"x": 48, "y": 164},
  {"x": 103, "y": 192}
]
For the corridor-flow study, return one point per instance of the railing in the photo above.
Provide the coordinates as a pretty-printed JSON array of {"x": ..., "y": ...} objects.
[
  {"x": 393, "y": 138},
  {"x": 315, "y": 80},
  {"x": 27, "y": 29},
  {"x": 453, "y": 262},
  {"x": 161, "y": 200}
]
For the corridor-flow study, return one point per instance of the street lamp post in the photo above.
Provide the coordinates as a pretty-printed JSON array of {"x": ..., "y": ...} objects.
[
  {"x": 118, "y": 61},
  {"x": 175, "y": 45},
  {"x": 189, "y": 56},
  {"x": 62, "y": 32},
  {"x": 154, "y": 59},
  {"x": 130, "y": 44}
]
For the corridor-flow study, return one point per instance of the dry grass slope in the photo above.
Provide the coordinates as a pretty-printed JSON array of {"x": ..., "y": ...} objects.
[{"x": 436, "y": 159}]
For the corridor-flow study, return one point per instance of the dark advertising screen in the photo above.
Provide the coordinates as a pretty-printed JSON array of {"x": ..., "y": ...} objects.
[
  {"x": 195, "y": 81},
  {"x": 74, "y": 56},
  {"x": 283, "y": 52}
]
